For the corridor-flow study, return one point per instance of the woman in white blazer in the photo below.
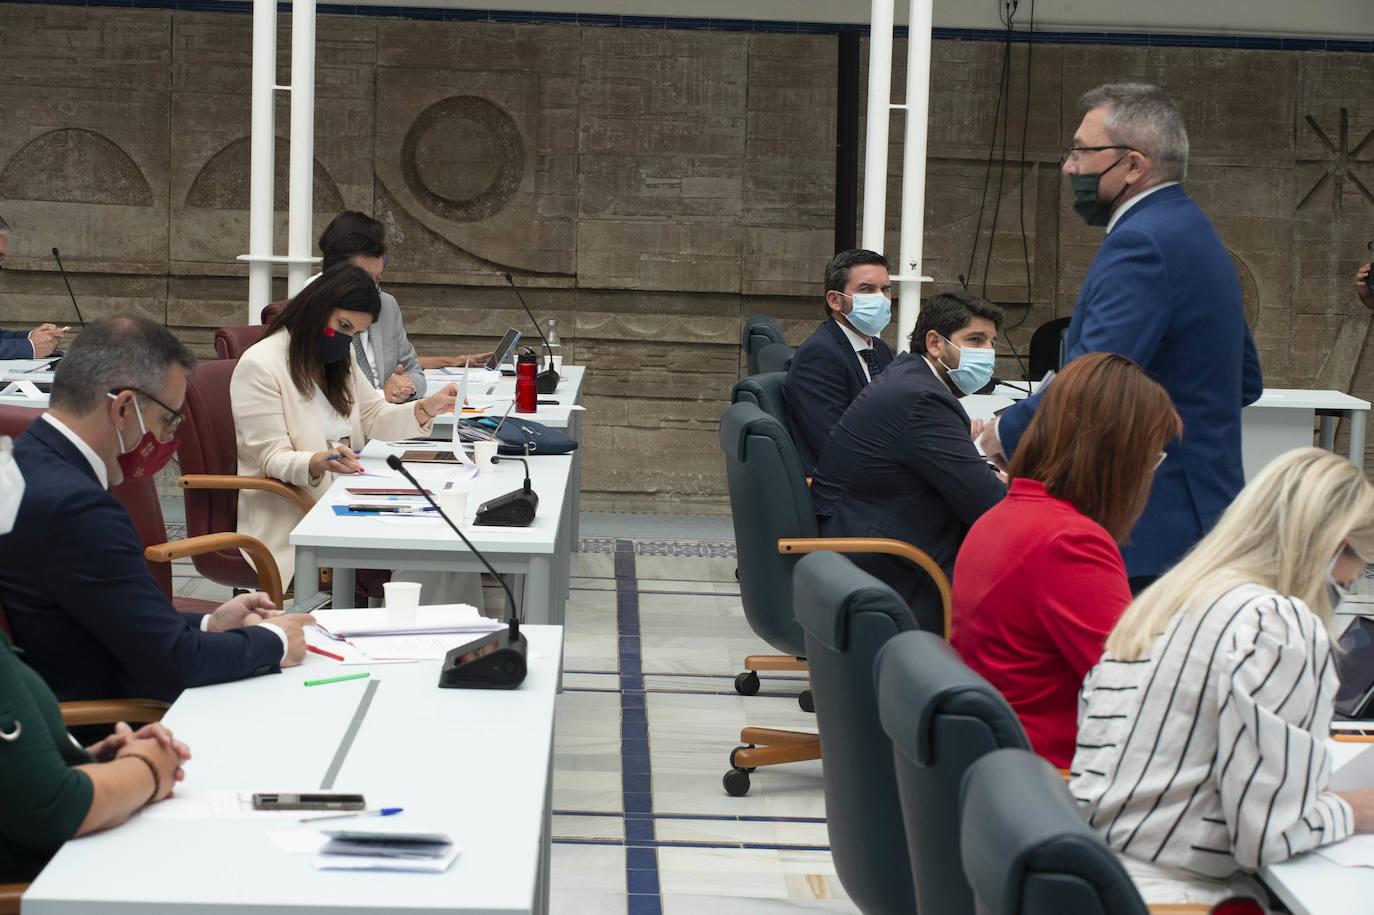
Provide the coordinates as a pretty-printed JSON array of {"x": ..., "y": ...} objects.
[{"x": 301, "y": 405}]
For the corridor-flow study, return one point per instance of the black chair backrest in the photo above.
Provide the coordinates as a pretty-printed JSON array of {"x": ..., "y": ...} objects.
[
  {"x": 941, "y": 717},
  {"x": 848, "y": 615},
  {"x": 769, "y": 500},
  {"x": 776, "y": 357},
  {"x": 764, "y": 391},
  {"x": 759, "y": 331},
  {"x": 1047, "y": 347},
  {"x": 1026, "y": 849}
]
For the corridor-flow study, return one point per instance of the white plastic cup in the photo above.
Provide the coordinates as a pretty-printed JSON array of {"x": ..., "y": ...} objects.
[
  {"x": 454, "y": 502},
  {"x": 482, "y": 454},
  {"x": 402, "y": 602},
  {"x": 557, "y": 363}
]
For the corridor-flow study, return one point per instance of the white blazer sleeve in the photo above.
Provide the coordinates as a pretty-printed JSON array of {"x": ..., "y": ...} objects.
[
  {"x": 259, "y": 403},
  {"x": 1276, "y": 685}
]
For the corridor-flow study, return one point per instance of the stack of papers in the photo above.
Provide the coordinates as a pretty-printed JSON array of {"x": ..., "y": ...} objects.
[
  {"x": 435, "y": 619},
  {"x": 349, "y": 850}
]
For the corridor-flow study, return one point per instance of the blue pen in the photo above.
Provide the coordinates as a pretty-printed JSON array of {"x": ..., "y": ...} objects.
[
  {"x": 335, "y": 457},
  {"x": 384, "y": 812}
]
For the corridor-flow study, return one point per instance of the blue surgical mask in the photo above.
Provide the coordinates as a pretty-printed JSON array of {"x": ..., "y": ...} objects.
[
  {"x": 872, "y": 312},
  {"x": 974, "y": 370}
]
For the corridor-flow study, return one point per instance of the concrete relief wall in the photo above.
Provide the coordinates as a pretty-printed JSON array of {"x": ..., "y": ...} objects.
[{"x": 648, "y": 188}]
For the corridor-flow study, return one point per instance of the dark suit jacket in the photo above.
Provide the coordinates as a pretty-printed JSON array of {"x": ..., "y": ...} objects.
[
  {"x": 82, "y": 603},
  {"x": 14, "y": 344},
  {"x": 900, "y": 464},
  {"x": 1163, "y": 291},
  {"x": 823, "y": 381}
]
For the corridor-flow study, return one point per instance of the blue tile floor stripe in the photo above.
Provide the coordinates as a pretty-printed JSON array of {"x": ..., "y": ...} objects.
[{"x": 637, "y": 799}]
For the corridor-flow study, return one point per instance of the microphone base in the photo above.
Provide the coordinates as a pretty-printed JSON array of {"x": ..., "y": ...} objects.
[
  {"x": 546, "y": 382},
  {"x": 514, "y": 509},
  {"x": 494, "y": 661}
]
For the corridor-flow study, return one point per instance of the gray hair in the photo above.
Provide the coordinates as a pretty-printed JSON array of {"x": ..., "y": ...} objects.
[
  {"x": 126, "y": 351},
  {"x": 1142, "y": 116}
]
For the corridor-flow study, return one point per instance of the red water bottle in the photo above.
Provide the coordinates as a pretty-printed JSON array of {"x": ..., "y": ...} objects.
[{"x": 526, "y": 396}]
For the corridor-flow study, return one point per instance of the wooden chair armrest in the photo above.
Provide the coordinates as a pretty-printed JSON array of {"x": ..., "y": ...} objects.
[
  {"x": 269, "y": 577},
  {"x": 876, "y": 545},
  {"x": 9, "y": 897},
  {"x": 262, "y": 484},
  {"x": 108, "y": 711}
]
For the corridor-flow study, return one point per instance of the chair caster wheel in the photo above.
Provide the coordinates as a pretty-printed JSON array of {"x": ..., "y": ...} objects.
[
  {"x": 736, "y": 782},
  {"x": 747, "y": 683},
  {"x": 807, "y": 701},
  {"x": 737, "y": 766}
]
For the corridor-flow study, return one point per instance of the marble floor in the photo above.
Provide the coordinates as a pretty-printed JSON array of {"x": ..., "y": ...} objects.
[{"x": 648, "y": 716}]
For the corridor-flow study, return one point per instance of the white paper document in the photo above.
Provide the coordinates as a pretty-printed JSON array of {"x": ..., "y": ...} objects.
[
  {"x": 417, "y": 647},
  {"x": 1356, "y": 851},
  {"x": 429, "y": 620}
]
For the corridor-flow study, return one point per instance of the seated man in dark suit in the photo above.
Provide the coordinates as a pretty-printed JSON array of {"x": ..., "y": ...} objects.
[
  {"x": 842, "y": 355},
  {"x": 80, "y": 599},
  {"x": 901, "y": 462}
]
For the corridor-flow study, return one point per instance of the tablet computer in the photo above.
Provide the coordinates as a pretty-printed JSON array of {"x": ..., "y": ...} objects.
[
  {"x": 1355, "y": 664},
  {"x": 503, "y": 348}
]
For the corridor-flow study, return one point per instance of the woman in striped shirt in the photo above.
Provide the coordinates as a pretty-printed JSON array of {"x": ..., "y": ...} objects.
[{"x": 1201, "y": 748}]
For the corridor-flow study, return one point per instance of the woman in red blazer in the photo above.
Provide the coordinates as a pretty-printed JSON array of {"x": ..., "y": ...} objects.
[{"x": 1039, "y": 580}]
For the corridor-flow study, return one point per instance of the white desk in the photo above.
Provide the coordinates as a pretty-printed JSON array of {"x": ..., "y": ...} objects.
[
  {"x": 1281, "y": 420},
  {"x": 475, "y": 764},
  {"x": 566, "y": 415},
  {"x": 540, "y": 553},
  {"x": 1313, "y": 885}
]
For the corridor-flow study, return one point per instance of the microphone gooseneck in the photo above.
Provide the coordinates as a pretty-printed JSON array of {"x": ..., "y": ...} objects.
[
  {"x": 395, "y": 463},
  {"x": 496, "y": 459},
  {"x": 548, "y": 378},
  {"x": 57, "y": 257}
]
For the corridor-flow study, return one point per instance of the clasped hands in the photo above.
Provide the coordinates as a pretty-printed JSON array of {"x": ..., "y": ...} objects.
[
  {"x": 155, "y": 744},
  {"x": 253, "y": 609}
]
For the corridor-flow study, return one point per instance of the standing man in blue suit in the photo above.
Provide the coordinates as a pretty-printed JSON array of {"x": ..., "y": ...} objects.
[
  {"x": 80, "y": 600},
  {"x": 842, "y": 355},
  {"x": 1162, "y": 291}
]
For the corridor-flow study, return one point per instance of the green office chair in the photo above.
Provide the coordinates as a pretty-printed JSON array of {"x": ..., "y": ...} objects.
[
  {"x": 775, "y": 524},
  {"x": 759, "y": 331}
]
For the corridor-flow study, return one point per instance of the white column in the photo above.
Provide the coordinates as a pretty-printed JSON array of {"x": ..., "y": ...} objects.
[
  {"x": 262, "y": 156},
  {"x": 912, "y": 236},
  {"x": 875, "y": 141},
  {"x": 300, "y": 200}
]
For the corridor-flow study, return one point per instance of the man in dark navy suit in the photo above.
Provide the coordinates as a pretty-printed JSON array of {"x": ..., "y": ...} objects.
[
  {"x": 25, "y": 344},
  {"x": 901, "y": 462},
  {"x": 843, "y": 354},
  {"x": 83, "y": 606},
  {"x": 1163, "y": 291}
]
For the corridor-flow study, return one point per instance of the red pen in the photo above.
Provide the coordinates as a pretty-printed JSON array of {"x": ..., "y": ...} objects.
[{"x": 327, "y": 654}]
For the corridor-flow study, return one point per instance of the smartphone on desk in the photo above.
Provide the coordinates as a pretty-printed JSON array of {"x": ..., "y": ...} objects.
[{"x": 321, "y": 801}]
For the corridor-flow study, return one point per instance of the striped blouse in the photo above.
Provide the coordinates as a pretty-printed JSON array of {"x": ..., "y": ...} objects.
[{"x": 1211, "y": 754}]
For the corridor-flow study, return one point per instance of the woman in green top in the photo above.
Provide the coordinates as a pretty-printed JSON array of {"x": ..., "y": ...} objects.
[{"x": 53, "y": 789}]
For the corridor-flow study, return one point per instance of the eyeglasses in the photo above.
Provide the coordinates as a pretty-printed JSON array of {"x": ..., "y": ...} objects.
[
  {"x": 174, "y": 417},
  {"x": 1162, "y": 456},
  {"x": 1076, "y": 153}
]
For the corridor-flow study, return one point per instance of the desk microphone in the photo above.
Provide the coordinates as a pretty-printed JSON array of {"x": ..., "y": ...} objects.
[
  {"x": 79, "y": 320},
  {"x": 496, "y": 660},
  {"x": 547, "y": 381},
  {"x": 515, "y": 508}
]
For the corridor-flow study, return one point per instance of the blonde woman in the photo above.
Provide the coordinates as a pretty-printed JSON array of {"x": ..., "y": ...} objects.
[{"x": 1202, "y": 750}]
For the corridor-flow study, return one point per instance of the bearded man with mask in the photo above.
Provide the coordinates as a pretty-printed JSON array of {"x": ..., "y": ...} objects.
[
  {"x": 901, "y": 462},
  {"x": 1163, "y": 291},
  {"x": 80, "y": 600},
  {"x": 842, "y": 355}
]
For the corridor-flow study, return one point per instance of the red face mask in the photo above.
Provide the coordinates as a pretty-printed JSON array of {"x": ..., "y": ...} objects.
[{"x": 148, "y": 455}]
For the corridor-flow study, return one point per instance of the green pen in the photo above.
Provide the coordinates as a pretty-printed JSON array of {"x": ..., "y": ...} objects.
[{"x": 337, "y": 679}]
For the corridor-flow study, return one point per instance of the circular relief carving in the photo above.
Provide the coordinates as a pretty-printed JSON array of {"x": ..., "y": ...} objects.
[{"x": 463, "y": 158}]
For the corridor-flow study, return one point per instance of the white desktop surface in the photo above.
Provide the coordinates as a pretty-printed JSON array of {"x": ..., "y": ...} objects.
[
  {"x": 539, "y": 551},
  {"x": 475, "y": 764},
  {"x": 1310, "y": 884},
  {"x": 568, "y": 395}
]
